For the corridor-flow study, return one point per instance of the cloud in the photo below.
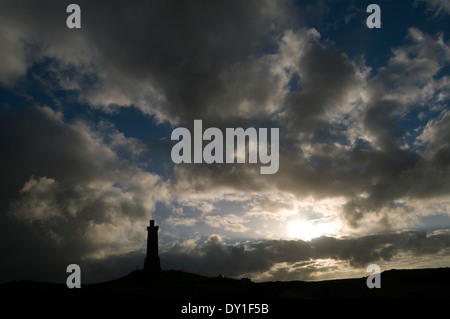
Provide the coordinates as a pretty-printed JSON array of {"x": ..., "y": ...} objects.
[
  {"x": 389, "y": 167},
  {"x": 38, "y": 202},
  {"x": 340, "y": 121},
  {"x": 12, "y": 57},
  {"x": 434, "y": 137},
  {"x": 298, "y": 259},
  {"x": 181, "y": 221},
  {"x": 349, "y": 132},
  {"x": 229, "y": 222},
  {"x": 68, "y": 193},
  {"x": 368, "y": 144},
  {"x": 184, "y": 66},
  {"x": 441, "y": 7}
]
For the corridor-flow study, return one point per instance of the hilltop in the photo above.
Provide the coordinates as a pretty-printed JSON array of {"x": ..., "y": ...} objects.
[{"x": 178, "y": 285}]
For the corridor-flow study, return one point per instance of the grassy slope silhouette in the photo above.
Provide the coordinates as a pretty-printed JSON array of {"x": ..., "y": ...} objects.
[{"x": 178, "y": 285}]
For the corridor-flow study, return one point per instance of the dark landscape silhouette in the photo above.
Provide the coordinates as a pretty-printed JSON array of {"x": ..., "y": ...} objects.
[
  {"x": 171, "y": 284},
  {"x": 154, "y": 283}
]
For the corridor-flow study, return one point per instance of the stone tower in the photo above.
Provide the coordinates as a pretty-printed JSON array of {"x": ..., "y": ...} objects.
[{"x": 152, "y": 258}]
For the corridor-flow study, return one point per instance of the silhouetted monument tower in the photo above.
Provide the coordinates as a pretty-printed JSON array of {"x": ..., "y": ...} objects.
[{"x": 152, "y": 258}]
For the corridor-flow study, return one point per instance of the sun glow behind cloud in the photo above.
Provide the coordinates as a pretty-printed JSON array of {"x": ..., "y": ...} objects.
[
  {"x": 307, "y": 230},
  {"x": 313, "y": 218}
]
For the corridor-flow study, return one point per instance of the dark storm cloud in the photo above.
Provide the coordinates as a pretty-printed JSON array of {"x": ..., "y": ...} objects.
[
  {"x": 326, "y": 75},
  {"x": 63, "y": 185},
  {"x": 215, "y": 257},
  {"x": 233, "y": 63},
  {"x": 408, "y": 83},
  {"x": 345, "y": 133},
  {"x": 185, "y": 48},
  {"x": 172, "y": 59},
  {"x": 65, "y": 195}
]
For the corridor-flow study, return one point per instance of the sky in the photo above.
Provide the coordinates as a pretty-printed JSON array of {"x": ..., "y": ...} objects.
[{"x": 86, "y": 117}]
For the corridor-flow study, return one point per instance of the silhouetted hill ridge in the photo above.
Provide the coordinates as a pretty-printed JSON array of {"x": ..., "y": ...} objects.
[{"x": 179, "y": 285}]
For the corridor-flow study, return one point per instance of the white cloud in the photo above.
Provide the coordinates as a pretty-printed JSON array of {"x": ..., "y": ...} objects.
[
  {"x": 181, "y": 221},
  {"x": 38, "y": 200},
  {"x": 229, "y": 222},
  {"x": 435, "y": 134},
  {"x": 12, "y": 55}
]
